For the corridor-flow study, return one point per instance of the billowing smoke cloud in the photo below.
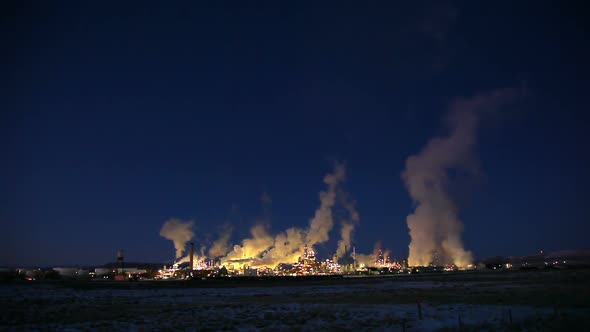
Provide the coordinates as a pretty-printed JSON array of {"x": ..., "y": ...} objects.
[
  {"x": 287, "y": 247},
  {"x": 179, "y": 232},
  {"x": 252, "y": 247},
  {"x": 221, "y": 246},
  {"x": 434, "y": 226},
  {"x": 265, "y": 249},
  {"x": 369, "y": 260}
]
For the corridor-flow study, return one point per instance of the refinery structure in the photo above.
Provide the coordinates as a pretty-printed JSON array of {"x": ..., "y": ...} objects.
[
  {"x": 308, "y": 264},
  {"x": 290, "y": 252}
]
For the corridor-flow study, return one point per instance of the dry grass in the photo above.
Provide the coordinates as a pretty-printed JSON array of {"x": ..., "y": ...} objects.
[{"x": 341, "y": 304}]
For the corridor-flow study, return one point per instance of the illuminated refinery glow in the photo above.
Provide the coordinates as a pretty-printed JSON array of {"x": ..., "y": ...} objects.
[
  {"x": 288, "y": 253},
  {"x": 308, "y": 264},
  {"x": 434, "y": 226}
]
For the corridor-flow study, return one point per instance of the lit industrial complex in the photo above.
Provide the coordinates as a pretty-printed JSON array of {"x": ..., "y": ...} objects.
[{"x": 308, "y": 264}]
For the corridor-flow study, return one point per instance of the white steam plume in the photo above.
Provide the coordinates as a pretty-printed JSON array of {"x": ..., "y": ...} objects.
[
  {"x": 221, "y": 246},
  {"x": 251, "y": 248},
  {"x": 322, "y": 222},
  {"x": 263, "y": 249},
  {"x": 434, "y": 226},
  {"x": 347, "y": 226},
  {"x": 179, "y": 232},
  {"x": 369, "y": 260},
  {"x": 288, "y": 245}
]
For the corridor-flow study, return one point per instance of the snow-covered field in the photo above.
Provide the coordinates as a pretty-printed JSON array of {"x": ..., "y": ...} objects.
[{"x": 548, "y": 304}]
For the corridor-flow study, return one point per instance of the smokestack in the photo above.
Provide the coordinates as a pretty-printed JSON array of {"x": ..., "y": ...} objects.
[
  {"x": 192, "y": 254},
  {"x": 120, "y": 258}
]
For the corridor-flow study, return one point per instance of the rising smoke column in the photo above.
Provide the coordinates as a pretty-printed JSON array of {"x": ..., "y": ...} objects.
[
  {"x": 221, "y": 246},
  {"x": 322, "y": 222},
  {"x": 434, "y": 226},
  {"x": 288, "y": 245},
  {"x": 179, "y": 232},
  {"x": 262, "y": 249},
  {"x": 347, "y": 225}
]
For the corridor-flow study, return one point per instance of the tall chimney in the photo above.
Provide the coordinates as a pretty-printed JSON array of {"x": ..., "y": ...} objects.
[
  {"x": 192, "y": 253},
  {"x": 120, "y": 258}
]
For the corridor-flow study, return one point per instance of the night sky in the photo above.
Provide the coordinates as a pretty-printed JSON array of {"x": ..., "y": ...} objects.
[{"x": 115, "y": 117}]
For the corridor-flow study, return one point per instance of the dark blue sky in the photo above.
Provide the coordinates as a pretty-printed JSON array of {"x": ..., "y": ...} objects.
[{"x": 115, "y": 117}]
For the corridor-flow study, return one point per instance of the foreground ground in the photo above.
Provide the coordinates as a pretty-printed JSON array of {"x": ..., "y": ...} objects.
[{"x": 508, "y": 301}]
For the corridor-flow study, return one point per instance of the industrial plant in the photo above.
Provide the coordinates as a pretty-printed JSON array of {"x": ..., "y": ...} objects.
[{"x": 308, "y": 264}]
